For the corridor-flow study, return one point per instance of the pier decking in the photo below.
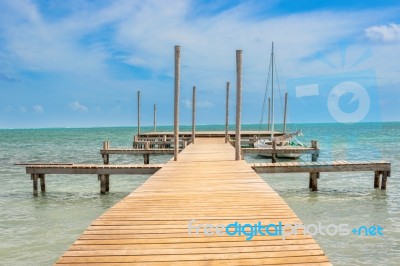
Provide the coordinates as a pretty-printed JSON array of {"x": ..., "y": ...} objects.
[{"x": 206, "y": 186}]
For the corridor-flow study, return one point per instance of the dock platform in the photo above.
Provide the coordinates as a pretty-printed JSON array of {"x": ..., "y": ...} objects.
[
  {"x": 167, "y": 220},
  {"x": 381, "y": 169}
]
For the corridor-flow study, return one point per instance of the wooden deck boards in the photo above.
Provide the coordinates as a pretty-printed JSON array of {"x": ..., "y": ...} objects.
[
  {"x": 335, "y": 166},
  {"x": 150, "y": 225}
]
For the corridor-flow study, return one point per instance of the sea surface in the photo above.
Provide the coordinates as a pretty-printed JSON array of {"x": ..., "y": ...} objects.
[{"x": 38, "y": 230}]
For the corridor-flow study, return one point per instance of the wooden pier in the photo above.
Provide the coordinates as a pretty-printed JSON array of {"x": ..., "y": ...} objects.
[
  {"x": 38, "y": 172},
  {"x": 206, "y": 186},
  {"x": 248, "y": 138},
  {"x": 380, "y": 168}
]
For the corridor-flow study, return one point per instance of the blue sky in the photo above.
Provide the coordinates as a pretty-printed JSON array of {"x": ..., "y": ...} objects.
[{"x": 80, "y": 63}]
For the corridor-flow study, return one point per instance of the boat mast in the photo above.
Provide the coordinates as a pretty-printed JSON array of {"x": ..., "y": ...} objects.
[{"x": 272, "y": 92}]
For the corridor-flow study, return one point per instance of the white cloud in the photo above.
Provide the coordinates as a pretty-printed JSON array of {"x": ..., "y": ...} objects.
[
  {"x": 201, "y": 104},
  {"x": 22, "y": 109},
  {"x": 187, "y": 103},
  {"x": 76, "y": 106},
  {"x": 38, "y": 109},
  {"x": 387, "y": 33}
]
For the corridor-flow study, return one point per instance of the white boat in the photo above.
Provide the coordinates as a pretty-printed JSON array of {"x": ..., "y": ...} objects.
[{"x": 285, "y": 140}]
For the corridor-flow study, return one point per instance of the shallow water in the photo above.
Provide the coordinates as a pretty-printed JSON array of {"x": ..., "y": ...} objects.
[{"x": 37, "y": 230}]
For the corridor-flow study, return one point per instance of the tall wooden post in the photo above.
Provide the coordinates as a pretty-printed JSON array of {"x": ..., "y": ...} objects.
[
  {"x": 314, "y": 145},
  {"x": 227, "y": 113},
  {"x": 194, "y": 115},
  {"x": 285, "y": 113},
  {"x": 138, "y": 113},
  {"x": 106, "y": 160},
  {"x": 176, "y": 100},
  {"x": 269, "y": 114},
  {"x": 238, "y": 102},
  {"x": 155, "y": 118}
]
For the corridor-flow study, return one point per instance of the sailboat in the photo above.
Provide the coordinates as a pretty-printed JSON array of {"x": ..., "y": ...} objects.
[{"x": 286, "y": 139}]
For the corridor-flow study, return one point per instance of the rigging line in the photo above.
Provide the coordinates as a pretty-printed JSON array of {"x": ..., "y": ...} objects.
[
  {"x": 278, "y": 84},
  {"x": 264, "y": 100}
]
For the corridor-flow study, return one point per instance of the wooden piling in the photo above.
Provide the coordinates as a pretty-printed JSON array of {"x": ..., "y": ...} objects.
[
  {"x": 138, "y": 112},
  {"x": 194, "y": 115},
  {"x": 238, "y": 103},
  {"x": 376, "y": 179},
  {"x": 176, "y": 101},
  {"x": 146, "y": 158},
  {"x": 103, "y": 183},
  {"x": 285, "y": 113},
  {"x": 314, "y": 181},
  {"x": 274, "y": 155},
  {"x": 384, "y": 179},
  {"x": 107, "y": 183},
  {"x": 227, "y": 113},
  {"x": 42, "y": 182},
  {"x": 155, "y": 118},
  {"x": 34, "y": 178},
  {"x": 314, "y": 145},
  {"x": 106, "y": 157}
]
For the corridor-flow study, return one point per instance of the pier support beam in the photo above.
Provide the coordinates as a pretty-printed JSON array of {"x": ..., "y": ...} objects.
[
  {"x": 238, "y": 103},
  {"x": 176, "y": 100},
  {"x": 274, "y": 155},
  {"x": 106, "y": 160},
  {"x": 103, "y": 183},
  {"x": 227, "y": 113},
  {"x": 34, "y": 178},
  {"x": 42, "y": 182},
  {"x": 384, "y": 179},
  {"x": 314, "y": 181},
  {"x": 376, "y": 179},
  {"x": 106, "y": 157},
  {"x": 146, "y": 158},
  {"x": 194, "y": 115},
  {"x": 314, "y": 145}
]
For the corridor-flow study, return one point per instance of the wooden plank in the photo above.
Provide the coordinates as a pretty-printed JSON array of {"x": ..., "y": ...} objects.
[
  {"x": 94, "y": 169},
  {"x": 150, "y": 226},
  {"x": 335, "y": 166}
]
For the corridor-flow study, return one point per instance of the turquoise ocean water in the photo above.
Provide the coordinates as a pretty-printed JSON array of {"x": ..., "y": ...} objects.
[{"x": 37, "y": 230}]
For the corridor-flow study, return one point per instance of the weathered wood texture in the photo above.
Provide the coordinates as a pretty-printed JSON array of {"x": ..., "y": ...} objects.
[
  {"x": 305, "y": 167},
  {"x": 150, "y": 226},
  {"x": 89, "y": 169},
  {"x": 138, "y": 151},
  {"x": 280, "y": 150}
]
